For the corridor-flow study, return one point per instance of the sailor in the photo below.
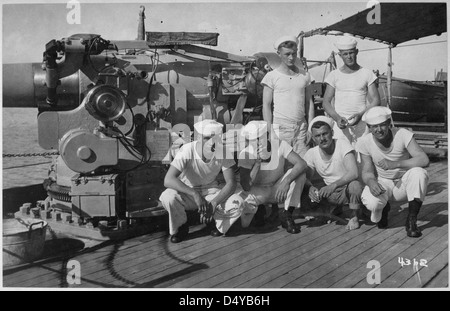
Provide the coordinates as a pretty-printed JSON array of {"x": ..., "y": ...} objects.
[
  {"x": 399, "y": 162},
  {"x": 191, "y": 179},
  {"x": 335, "y": 161},
  {"x": 354, "y": 91},
  {"x": 286, "y": 87},
  {"x": 264, "y": 180}
]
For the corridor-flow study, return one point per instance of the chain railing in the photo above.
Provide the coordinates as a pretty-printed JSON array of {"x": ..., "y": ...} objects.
[{"x": 42, "y": 154}]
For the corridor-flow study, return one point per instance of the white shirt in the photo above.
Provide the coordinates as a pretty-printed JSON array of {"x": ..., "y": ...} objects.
[
  {"x": 194, "y": 171},
  {"x": 350, "y": 90},
  {"x": 288, "y": 94},
  {"x": 333, "y": 169},
  {"x": 398, "y": 151},
  {"x": 269, "y": 172}
]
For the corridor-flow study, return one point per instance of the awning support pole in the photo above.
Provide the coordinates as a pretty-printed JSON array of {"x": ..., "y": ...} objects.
[
  {"x": 301, "y": 51},
  {"x": 389, "y": 77}
]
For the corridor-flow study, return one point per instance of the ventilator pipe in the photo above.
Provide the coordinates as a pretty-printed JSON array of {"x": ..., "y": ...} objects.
[{"x": 141, "y": 24}]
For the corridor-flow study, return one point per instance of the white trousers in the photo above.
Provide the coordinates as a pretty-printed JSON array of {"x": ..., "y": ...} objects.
[
  {"x": 264, "y": 194},
  {"x": 413, "y": 185},
  {"x": 294, "y": 133},
  {"x": 177, "y": 203}
]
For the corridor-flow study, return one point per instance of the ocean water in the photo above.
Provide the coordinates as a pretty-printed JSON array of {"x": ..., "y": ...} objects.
[{"x": 20, "y": 136}]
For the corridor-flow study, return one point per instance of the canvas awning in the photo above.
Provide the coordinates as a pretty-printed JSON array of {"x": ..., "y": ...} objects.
[
  {"x": 399, "y": 22},
  {"x": 180, "y": 38}
]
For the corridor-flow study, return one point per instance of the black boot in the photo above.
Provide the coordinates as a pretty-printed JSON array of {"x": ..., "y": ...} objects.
[
  {"x": 287, "y": 221},
  {"x": 181, "y": 233},
  {"x": 411, "y": 221},
  {"x": 258, "y": 220},
  {"x": 383, "y": 223},
  {"x": 273, "y": 217}
]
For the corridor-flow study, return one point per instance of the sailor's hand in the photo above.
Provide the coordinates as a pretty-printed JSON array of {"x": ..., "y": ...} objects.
[
  {"x": 354, "y": 119},
  {"x": 326, "y": 191},
  {"x": 206, "y": 217},
  {"x": 200, "y": 202},
  {"x": 282, "y": 191},
  {"x": 314, "y": 194},
  {"x": 387, "y": 164},
  {"x": 375, "y": 188},
  {"x": 342, "y": 123}
]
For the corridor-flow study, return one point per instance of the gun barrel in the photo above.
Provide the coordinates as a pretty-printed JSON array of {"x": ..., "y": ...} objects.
[
  {"x": 18, "y": 85},
  {"x": 24, "y": 86}
]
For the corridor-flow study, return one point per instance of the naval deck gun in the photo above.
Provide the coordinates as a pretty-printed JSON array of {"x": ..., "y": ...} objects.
[{"x": 117, "y": 112}]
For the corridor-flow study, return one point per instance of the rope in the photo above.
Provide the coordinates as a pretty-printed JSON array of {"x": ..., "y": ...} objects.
[{"x": 16, "y": 155}]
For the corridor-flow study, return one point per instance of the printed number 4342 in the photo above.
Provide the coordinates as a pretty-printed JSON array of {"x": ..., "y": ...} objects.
[{"x": 407, "y": 262}]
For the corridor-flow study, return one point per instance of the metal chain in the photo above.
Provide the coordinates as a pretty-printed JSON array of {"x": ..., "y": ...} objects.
[{"x": 15, "y": 155}]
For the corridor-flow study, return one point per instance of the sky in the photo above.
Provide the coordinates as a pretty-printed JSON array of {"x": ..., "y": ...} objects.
[{"x": 245, "y": 28}]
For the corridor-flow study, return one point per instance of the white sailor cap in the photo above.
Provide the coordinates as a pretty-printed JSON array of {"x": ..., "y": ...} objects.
[
  {"x": 254, "y": 129},
  {"x": 284, "y": 39},
  {"x": 376, "y": 115},
  {"x": 325, "y": 119},
  {"x": 346, "y": 43},
  {"x": 208, "y": 127}
]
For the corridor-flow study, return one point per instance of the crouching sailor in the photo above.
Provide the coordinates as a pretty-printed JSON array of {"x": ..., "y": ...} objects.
[
  {"x": 399, "y": 163},
  {"x": 264, "y": 180},
  {"x": 191, "y": 179},
  {"x": 334, "y": 160}
]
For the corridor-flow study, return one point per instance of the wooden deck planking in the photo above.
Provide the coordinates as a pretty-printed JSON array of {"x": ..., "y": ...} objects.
[
  {"x": 384, "y": 255},
  {"x": 355, "y": 269},
  {"x": 87, "y": 259},
  {"x": 272, "y": 283},
  {"x": 440, "y": 280},
  {"x": 296, "y": 252},
  {"x": 176, "y": 260},
  {"x": 402, "y": 274},
  {"x": 50, "y": 278},
  {"x": 389, "y": 262},
  {"x": 357, "y": 263},
  {"x": 357, "y": 243},
  {"x": 236, "y": 255},
  {"x": 225, "y": 269},
  {"x": 437, "y": 264},
  {"x": 230, "y": 251},
  {"x": 289, "y": 252},
  {"x": 178, "y": 253},
  {"x": 361, "y": 254},
  {"x": 273, "y": 259},
  {"x": 325, "y": 253},
  {"x": 431, "y": 210}
]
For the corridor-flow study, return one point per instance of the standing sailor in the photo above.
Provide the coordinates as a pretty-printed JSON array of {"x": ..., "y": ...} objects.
[{"x": 354, "y": 91}]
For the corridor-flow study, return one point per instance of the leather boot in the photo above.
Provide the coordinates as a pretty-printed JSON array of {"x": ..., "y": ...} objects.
[
  {"x": 288, "y": 223},
  {"x": 181, "y": 233},
  {"x": 383, "y": 223},
  {"x": 411, "y": 221},
  {"x": 274, "y": 214}
]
